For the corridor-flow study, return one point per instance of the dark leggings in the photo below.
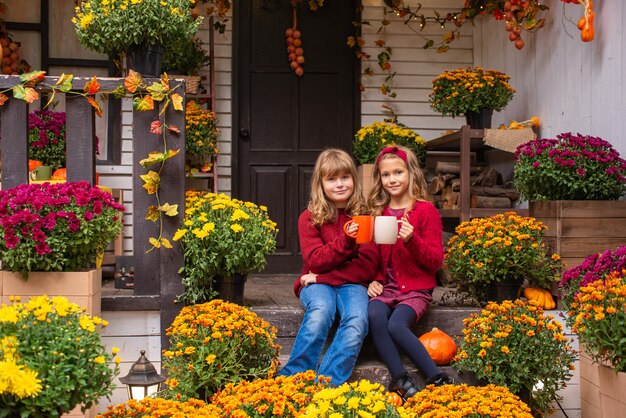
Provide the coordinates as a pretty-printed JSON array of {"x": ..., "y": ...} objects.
[{"x": 389, "y": 326}]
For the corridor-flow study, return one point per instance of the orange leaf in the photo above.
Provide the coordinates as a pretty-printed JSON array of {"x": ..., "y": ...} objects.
[
  {"x": 3, "y": 98},
  {"x": 132, "y": 81},
  {"x": 33, "y": 78},
  {"x": 380, "y": 42},
  {"x": 31, "y": 95},
  {"x": 95, "y": 105},
  {"x": 92, "y": 87},
  {"x": 173, "y": 129}
]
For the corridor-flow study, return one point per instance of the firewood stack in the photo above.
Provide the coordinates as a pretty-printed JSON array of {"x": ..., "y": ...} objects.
[{"x": 486, "y": 189}]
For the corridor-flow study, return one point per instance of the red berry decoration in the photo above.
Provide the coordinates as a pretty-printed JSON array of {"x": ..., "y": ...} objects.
[{"x": 295, "y": 53}]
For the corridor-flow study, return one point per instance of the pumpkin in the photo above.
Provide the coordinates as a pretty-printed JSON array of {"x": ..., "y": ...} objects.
[
  {"x": 541, "y": 296},
  {"x": 439, "y": 345},
  {"x": 33, "y": 164},
  {"x": 59, "y": 174},
  {"x": 394, "y": 399}
]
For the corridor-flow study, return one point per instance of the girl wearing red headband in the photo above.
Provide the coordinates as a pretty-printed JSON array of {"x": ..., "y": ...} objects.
[{"x": 408, "y": 267}]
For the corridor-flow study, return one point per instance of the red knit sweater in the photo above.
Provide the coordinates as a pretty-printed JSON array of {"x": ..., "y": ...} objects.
[
  {"x": 335, "y": 257},
  {"x": 415, "y": 263}
]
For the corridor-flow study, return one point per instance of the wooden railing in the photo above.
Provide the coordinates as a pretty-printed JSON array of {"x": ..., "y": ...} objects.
[{"x": 157, "y": 281}]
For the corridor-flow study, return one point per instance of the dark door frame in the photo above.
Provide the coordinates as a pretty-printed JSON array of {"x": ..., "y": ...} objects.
[{"x": 239, "y": 19}]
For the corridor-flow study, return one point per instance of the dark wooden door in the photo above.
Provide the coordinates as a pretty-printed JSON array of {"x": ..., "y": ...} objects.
[{"x": 281, "y": 121}]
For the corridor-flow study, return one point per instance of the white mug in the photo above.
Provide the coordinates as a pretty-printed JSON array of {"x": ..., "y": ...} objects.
[{"x": 386, "y": 229}]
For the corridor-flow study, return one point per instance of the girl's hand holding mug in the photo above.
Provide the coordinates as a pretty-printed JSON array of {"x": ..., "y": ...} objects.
[
  {"x": 361, "y": 228},
  {"x": 406, "y": 229}
]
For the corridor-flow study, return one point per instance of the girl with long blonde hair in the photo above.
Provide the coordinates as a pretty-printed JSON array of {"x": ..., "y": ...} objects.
[
  {"x": 335, "y": 274},
  {"x": 408, "y": 267}
]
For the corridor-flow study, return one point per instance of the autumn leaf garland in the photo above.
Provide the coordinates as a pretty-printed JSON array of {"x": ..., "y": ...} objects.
[{"x": 144, "y": 97}]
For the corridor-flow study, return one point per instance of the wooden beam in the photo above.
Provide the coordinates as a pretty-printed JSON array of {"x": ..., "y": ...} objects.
[
  {"x": 14, "y": 143},
  {"x": 172, "y": 192},
  {"x": 80, "y": 139}
]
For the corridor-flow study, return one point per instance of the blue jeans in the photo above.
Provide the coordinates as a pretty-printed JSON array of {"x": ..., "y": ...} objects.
[{"x": 321, "y": 304}]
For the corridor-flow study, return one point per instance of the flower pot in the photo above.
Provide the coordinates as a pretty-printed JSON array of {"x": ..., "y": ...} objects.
[
  {"x": 145, "y": 59},
  {"x": 508, "y": 289},
  {"x": 231, "y": 288},
  {"x": 480, "y": 119},
  {"x": 83, "y": 287},
  {"x": 602, "y": 390}
]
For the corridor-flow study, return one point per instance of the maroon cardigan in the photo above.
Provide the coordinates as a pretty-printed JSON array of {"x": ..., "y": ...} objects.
[
  {"x": 415, "y": 263},
  {"x": 333, "y": 256}
]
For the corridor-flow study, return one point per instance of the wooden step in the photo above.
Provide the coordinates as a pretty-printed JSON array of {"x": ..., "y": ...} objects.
[{"x": 287, "y": 320}]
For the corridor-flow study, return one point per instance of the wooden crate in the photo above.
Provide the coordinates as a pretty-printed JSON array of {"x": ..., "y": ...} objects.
[
  {"x": 364, "y": 173},
  {"x": 83, "y": 288},
  {"x": 602, "y": 390},
  {"x": 579, "y": 228}
]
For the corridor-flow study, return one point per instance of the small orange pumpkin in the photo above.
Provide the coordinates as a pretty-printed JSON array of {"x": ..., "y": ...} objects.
[
  {"x": 59, "y": 174},
  {"x": 394, "y": 399},
  {"x": 439, "y": 345},
  {"x": 33, "y": 164}
]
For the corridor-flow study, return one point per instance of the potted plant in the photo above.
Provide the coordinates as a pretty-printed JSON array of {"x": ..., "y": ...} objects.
[
  {"x": 515, "y": 345},
  {"x": 450, "y": 400},
  {"x": 151, "y": 407},
  {"x": 216, "y": 343},
  {"x": 201, "y": 134},
  {"x": 371, "y": 139},
  {"x": 138, "y": 28},
  {"x": 46, "y": 138},
  {"x": 596, "y": 314},
  {"x": 183, "y": 59},
  {"x": 52, "y": 358},
  {"x": 276, "y": 396},
  {"x": 505, "y": 248},
  {"x": 50, "y": 228},
  {"x": 368, "y": 398},
  {"x": 574, "y": 180},
  {"x": 223, "y": 239},
  {"x": 475, "y": 92}
]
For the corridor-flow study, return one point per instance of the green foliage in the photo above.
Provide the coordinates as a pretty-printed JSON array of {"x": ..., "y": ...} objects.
[
  {"x": 221, "y": 236},
  {"x": 56, "y": 340},
  {"x": 501, "y": 247},
  {"x": 106, "y": 26},
  {"x": 456, "y": 92},
  {"x": 185, "y": 57},
  {"x": 515, "y": 345},
  {"x": 371, "y": 139},
  {"x": 216, "y": 343},
  {"x": 570, "y": 167}
]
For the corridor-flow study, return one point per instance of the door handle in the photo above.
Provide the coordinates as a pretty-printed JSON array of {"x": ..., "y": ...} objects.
[{"x": 244, "y": 133}]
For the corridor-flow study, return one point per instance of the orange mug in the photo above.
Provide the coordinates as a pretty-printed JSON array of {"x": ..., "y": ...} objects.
[{"x": 365, "y": 233}]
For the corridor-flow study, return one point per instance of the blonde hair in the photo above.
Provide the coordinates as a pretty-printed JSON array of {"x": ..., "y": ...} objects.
[
  {"x": 418, "y": 190},
  {"x": 333, "y": 162}
]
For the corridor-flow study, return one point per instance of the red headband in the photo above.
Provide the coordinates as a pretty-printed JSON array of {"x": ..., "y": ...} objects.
[{"x": 391, "y": 150}]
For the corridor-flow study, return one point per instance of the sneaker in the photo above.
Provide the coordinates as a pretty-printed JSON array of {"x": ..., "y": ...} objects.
[
  {"x": 404, "y": 387},
  {"x": 440, "y": 380}
]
